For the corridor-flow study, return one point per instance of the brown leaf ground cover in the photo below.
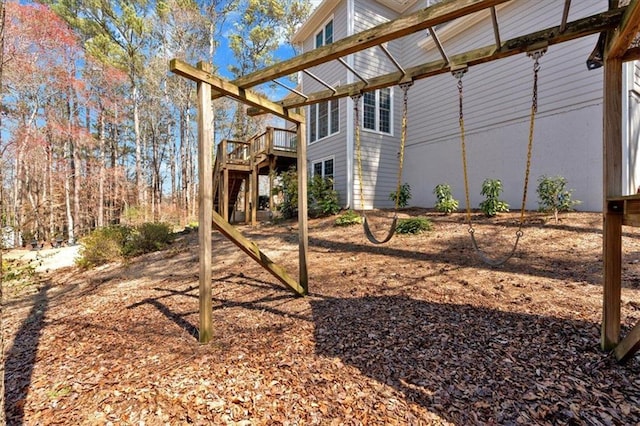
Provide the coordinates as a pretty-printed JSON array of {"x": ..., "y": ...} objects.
[{"x": 417, "y": 331}]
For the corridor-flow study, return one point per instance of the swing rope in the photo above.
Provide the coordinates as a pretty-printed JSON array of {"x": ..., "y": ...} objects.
[
  {"x": 403, "y": 137},
  {"x": 536, "y": 55}
]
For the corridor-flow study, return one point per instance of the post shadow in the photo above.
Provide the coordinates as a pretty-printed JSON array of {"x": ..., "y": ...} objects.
[{"x": 21, "y": 358}]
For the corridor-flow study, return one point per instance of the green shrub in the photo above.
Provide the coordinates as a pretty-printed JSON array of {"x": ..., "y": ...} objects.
[
  {"x": 414, "y": 225},
  {"x": 322, "y": 198},
  {"x": 115, "y": 243},
  {"x": 16, "y": 271},
  {"x": 446, "y": 203},
  {"x": 404, "y": 195},
  {"x": 147, "y": 238},
  {"x": 348, "y": 218},
  {"x": 288, "y": 186},
  {"x": 553, "y": 197},
  {"x": 104, "y": 245},
  {"x": 492, "y": 205}
]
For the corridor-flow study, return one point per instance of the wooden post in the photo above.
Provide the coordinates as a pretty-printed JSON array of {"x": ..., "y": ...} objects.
[
  {"x": 612, "y": 226},
  {"x": 303, "y": 235},
  {"x": 225, "y": 194},
  {"x": 255, "y": 190},
  {"x": 205, "y": 203},
  {"x": 247, "y": 217},
  {"x": 272, "y": 171}
]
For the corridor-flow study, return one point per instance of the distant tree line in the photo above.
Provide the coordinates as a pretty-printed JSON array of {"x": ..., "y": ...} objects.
[{"x": 95, "y": 129}]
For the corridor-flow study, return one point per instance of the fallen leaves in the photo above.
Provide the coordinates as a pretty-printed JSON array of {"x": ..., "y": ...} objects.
[{"x": 414, "y": 332}]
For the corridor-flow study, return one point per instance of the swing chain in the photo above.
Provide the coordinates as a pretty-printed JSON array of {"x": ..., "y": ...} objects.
[
  {"x": 356, "y": 120},
  {"x": 403, "y": 137}
]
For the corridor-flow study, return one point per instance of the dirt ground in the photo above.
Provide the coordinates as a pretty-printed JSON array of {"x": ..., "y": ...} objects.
[{"x": 414, "y": 332}]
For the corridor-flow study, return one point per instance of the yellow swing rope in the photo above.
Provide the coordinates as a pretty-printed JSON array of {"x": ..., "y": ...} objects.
[
  {"x": 403, "y": 138},
  {"x": 536, "y": 55}
]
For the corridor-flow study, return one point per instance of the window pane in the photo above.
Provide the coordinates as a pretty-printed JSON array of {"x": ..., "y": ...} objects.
[
  {"x": 317, "y": 169},
  {"x": 328, "y": 168},
  {"x": 319, "y": 39},
  {"x": 323, "y": 120},
  {"x": 335, "y": 116},
  {"x": 369, "y": 110},
  {"x": 328, "y": 33},
  {"x": 313, "y": 122},
  {"x": 385, "y": 111}
]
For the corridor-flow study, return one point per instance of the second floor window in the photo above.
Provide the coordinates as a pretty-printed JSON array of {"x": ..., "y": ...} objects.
[
  {"x": 324, "y": 119},
  {"x": 376, "y": 111},
  {"x": 325, "y": 36}
]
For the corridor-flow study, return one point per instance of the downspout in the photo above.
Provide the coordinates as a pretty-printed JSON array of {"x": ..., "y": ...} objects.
[
  {"x": 628, "y": 178},
  {"x": 349, "y": 103}
]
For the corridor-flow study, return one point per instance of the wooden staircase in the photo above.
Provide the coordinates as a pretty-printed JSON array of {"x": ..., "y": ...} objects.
[{"x": 239, "y": 162}]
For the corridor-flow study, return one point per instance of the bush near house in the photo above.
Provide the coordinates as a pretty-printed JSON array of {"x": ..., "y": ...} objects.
[
  {"x": 553, "y": 196},
  {"x": 492, "y": 205},
  {"x": 322, "y": 199},
  {"x": 348, "y": 218},
  {"x": 446, "y": 203},
  {"x": 404, "y": 195},
  {"x": 414, "y": 225}
]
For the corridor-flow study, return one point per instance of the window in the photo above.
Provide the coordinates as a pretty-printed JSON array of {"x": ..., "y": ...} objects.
[
  {"x": 323, "y": 168},
  {"x": 325, "y": 36},
  {"x": 376, "y": 110},
  {"x": 324, "y": 119}
]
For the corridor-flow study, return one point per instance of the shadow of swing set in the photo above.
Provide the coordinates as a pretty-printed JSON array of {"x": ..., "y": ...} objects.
[{"x": 618, "y": 28}]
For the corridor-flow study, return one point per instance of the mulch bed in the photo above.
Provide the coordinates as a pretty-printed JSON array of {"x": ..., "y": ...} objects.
[{"x": 416, "y": 331}]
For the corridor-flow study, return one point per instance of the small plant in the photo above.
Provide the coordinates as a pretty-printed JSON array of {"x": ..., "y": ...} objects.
[
  {"x": 446, "y": 203},
  {"x": 414, "y": 225},
  {"x": 492, "y": 205},
  {"x": 404, "y": 195},
  {"x": 348, "y": 218},
  {"x": 553, "y": 197}
]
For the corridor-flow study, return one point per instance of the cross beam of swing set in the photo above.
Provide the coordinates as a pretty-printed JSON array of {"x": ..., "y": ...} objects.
[{"x": 576, "y": 29}]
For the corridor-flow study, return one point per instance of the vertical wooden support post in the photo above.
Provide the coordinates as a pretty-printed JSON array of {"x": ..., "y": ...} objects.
[
  {"x": 612, "y": 227},
  {"x": 303, "y": 235},
  {"x": 247, "y": 183},
  {"x": 272, "y": 172},
  {"x": 255, "y": 190},
  {"x": 225, "y": 194},
  {"x": 205, "y": 203}
]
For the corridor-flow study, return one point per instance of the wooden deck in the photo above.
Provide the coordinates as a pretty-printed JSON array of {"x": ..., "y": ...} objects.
[{"x": 239, "y": 163}]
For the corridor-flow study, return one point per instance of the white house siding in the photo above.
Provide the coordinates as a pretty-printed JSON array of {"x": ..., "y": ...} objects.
[
  {"x": 497, "y": 101},
  {"x": 333, "y": 73}
]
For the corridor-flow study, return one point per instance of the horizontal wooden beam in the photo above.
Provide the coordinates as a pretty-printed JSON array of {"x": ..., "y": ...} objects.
[
  {"x": 624, "y": 34},
  {"x": 573, "y": 30},
  {"x": 251, "y": 249},
  {"x": 629, "y": 345},
  {"x": 391, "y": 30},
  {"x": 227, "y": 88}
]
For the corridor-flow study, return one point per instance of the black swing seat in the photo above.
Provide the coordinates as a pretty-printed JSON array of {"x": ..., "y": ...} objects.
[{"x": 372, "y": 238}]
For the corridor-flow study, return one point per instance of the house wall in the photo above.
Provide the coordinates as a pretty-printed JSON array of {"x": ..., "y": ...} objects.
[
  {"x": 333, "y": 73},
  {"x": 497, "y": 102}
]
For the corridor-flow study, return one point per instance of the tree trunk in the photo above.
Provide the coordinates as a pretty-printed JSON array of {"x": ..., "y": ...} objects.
[{"x": 101, "y": 171}]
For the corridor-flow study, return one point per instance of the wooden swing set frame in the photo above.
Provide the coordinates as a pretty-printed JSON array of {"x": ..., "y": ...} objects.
[{"x": 618, "y": 26}]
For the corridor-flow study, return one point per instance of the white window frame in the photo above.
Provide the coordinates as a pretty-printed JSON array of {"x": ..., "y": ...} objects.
[
  {"x": 323, "y": 32},
  {"x": 377, "y": 114},
  {"x": 323, "y": 161},
  {"x": 314, "y": 122}
]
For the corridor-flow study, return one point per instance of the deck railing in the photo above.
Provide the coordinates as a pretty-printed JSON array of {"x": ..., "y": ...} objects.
[{"x": 273, "y": 139}]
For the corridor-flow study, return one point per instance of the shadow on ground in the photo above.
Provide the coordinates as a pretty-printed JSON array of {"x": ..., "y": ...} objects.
[{"x": 473, "y": 365}]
